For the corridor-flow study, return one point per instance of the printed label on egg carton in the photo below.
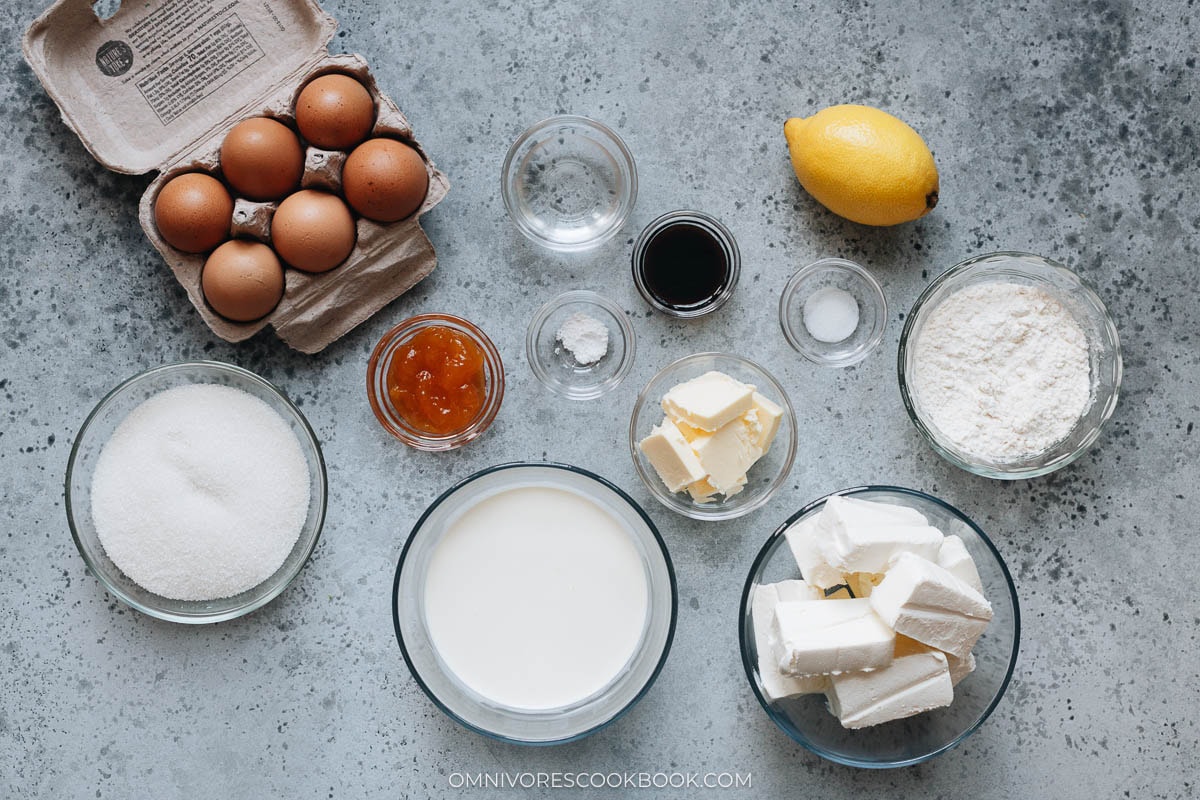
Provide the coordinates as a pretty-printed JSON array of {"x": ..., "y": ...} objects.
[
  {"x": 388, "y": 259},
  {"x": 158, "y": 85}
]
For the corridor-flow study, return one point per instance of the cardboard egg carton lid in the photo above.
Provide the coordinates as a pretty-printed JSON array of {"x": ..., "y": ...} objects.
[{"x": 141, "y": 87}]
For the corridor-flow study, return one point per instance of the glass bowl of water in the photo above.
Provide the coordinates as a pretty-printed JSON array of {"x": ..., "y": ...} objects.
[{"x": 569, "y": 183}]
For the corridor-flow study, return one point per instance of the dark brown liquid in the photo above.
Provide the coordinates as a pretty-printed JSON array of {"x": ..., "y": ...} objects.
[{"x": 685, "y": 267}]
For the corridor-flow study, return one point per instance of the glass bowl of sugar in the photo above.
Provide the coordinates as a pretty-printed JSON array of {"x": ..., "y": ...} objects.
[
  {"x": 195, "y": 492},
  {"x": 807, "y": 717},
  {"x": 1009, "y": 365}
]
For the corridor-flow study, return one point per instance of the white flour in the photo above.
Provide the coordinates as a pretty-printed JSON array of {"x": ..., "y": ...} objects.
[{"x": 1002, "y": 370}]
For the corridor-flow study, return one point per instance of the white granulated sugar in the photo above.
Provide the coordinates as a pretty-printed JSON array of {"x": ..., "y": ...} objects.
[
  {"x": 584, "y": 337},
  {"x": 1002, "y": 370},
  {"x": 201, "y": 493}
]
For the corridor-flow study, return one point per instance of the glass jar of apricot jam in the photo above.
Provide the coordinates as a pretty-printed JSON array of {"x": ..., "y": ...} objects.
[{"x": 435, "y": 382}]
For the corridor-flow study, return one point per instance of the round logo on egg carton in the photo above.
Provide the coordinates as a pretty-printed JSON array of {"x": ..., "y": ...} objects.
[{"x": 114, "y": 58}]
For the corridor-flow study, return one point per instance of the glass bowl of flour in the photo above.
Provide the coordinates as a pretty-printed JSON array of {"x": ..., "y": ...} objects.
[
  {"x": 195, "y": 492},
  {"x": 1009, "y": 365}
]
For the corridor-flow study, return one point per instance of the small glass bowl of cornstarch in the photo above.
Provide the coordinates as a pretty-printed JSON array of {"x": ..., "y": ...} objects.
[
  {"x": 1009, "y": 365},
  {"x": 580, "y": 345},
  {"x": 195, "y": 492}
]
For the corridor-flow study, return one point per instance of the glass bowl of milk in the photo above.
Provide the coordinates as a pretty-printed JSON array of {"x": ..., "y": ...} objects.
[
  {"x": 807, "y": 718},
  {"x": 534, "y": 602}
]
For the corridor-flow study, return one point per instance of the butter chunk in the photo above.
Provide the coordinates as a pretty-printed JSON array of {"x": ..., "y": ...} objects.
[
  {"x": 954, "y": 558},
  {"x": 802, "y": 538},
  {"x": 861, "y": 536},
  {"x": 827, "y": 636},
  {"x": 924, "y": 601},
  {"x": 727, "y": 454},
  {"x": 703, "y": 492},
  {"x": 913, "y": 683},
  {"x": 709, "y": 401},
  {"x": 776, "y": 685},
  {"x": 672, "y": 457},
  {"x": 769, "y": 415}
]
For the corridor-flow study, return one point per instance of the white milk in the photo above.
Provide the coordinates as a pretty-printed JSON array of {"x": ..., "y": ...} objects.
[{"x": 536, "y": 597}]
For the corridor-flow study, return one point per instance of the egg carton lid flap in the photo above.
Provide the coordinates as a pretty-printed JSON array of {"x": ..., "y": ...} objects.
[{"x": 144, "y": 85}]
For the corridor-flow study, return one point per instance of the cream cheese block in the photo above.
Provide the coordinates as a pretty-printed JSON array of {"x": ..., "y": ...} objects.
[
  {"x": 926, "y": 602},
  {"x": 954, "y": 558},
  {"x": 861, "y": 536},
  {"x": 775, "y": 685},
  {"x": 671, "y": 456},
  {"x": 827, "y": 636},
  {"x": 911, "y": 684},
  {"x": 709, "y": 401},
  {"x": 803, "y": 538}
]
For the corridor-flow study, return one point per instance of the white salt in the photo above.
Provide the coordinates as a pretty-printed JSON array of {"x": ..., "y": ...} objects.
[
  {"x": 584, "y": 337},
  {"x": 201, "y": 493},
  {"x": 830, "y": 314}
]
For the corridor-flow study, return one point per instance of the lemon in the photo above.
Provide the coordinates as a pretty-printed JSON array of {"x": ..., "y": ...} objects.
[{"x": 863, "y": 164}]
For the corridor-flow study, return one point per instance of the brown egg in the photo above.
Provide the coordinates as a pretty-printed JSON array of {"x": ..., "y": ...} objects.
[
  {"x": 335, "y": 112},
  {"x": 385, "y": 180},
  {"x": 193, "y": 212},
  {"x": 313, "y": 231},
  {"x": 262, "y": 159},
  {"x": 242, "y": 280}
]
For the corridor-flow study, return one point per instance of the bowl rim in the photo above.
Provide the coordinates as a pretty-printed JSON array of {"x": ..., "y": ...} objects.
[
  {"x": 322, "y": 485},
  {"x": 662, "y": 548},
  {"x": 542, "y": 316},
  {"x": 428, "y": 442},
  {"x": 718, "y": 512},
  {"x": 626, "y": 160},
  {"x": 1093, "y": 299},
  {"x": 698, "y": 219},
  {"x": 875, "y": 289},
  {"x": 743, "y": 614}
]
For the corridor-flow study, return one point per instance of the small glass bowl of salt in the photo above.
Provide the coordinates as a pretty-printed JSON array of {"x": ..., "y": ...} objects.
[
  {"x": 580, "y": 345},
  {"x": 833, "y": 312}
]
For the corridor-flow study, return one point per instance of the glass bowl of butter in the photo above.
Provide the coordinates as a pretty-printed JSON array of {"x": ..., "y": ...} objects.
[
  {"x": 879, "y": 627},
  {"x": 713, "y": 436}
]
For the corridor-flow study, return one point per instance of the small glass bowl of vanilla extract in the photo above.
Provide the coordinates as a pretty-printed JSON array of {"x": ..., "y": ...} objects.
[{"x": 686, "y": 264}]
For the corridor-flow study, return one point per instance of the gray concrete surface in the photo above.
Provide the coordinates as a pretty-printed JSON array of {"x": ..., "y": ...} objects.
[{"x": 1067, "y": 129}]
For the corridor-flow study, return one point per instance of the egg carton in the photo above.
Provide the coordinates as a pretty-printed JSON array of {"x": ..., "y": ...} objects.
[{"x": 158, "y": 86}]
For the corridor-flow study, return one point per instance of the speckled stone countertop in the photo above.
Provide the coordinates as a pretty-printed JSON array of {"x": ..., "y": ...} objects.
[{"x": 1060, "y": 128}]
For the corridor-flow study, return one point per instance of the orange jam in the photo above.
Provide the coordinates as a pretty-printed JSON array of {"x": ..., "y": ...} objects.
[{"x": 436, "y": 380}]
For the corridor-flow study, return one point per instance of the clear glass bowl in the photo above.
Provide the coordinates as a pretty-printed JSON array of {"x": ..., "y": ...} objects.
[
  {"x": 767, "y": 475},
  {"x": 390, "y": 418},
  {"x": 522, "y": 726},
  {"x": 98, "y": 429},
  {"x": 807, "y": 720},
  {"x": 557, "y": 368},
  {"x": 834, "y": 273},
  {"x": 720, "y": 234},
  {"x": 1104, "y": 356},
  {"x": 569, "y": 183}
]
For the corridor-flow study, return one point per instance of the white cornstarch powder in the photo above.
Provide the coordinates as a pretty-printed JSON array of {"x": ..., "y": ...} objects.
[
  {"x": 584, "y": 337},
  {"x": 201, "y": 493},
  {"x": 1002, "y": 370}
]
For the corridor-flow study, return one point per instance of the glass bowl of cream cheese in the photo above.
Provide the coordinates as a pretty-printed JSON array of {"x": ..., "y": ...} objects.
[
  {"x": 534, "y": 603},
  {"x": 883, "y": 717},
  {"x": 1009, "y": 365}
]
